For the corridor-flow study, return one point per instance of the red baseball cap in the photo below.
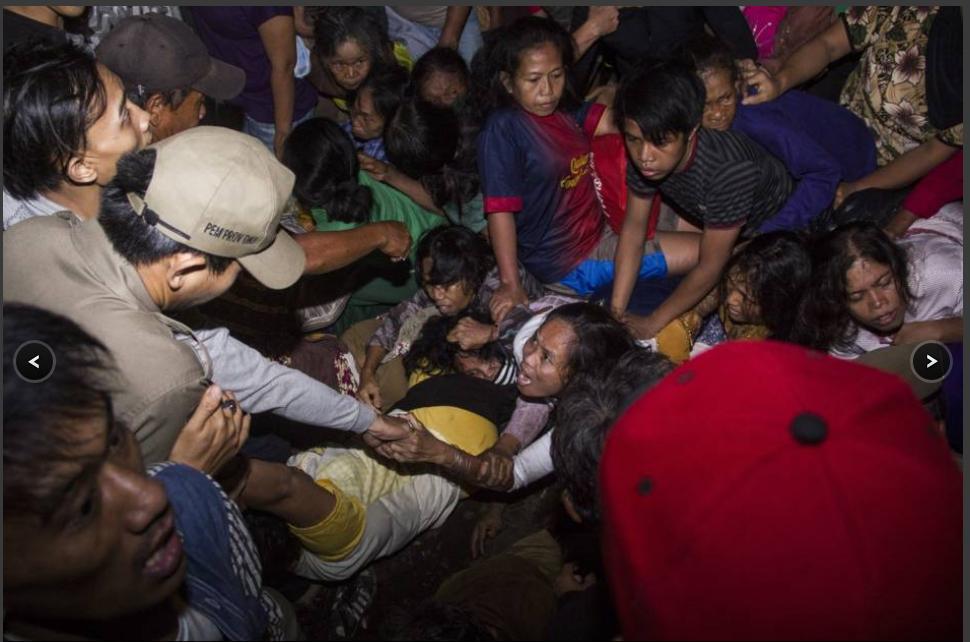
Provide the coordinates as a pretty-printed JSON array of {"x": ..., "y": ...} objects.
[{"x": 766, "y": 491}]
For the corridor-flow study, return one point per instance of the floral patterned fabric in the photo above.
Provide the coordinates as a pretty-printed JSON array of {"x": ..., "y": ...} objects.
[{"x": 888, "y": 88}]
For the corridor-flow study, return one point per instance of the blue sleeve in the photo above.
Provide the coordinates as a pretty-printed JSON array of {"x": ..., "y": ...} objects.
[
  {"x": 501, "y": 164},
  {"x": 815, "y": 172}
]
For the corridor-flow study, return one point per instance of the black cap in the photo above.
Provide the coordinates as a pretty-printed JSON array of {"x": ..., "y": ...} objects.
[{"x": 159, "y": 53}]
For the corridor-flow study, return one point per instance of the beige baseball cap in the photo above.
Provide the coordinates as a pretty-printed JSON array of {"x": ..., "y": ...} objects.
[{"x": 222, "y": 192}]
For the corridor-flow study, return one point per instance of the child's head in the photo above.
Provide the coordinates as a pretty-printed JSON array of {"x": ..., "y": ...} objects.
[
  {"x": 527, "y": 64},
  {"x": 859, "y": 277},
  {"x": 452, "y": 264},
  {"x": 324, "y": 160},
  {"x": 350, "y": 42},
  {"x": 764, "y": 281},
  {"x": 583, "y": 420},
  {"x": 436, "y": 146},
  {"x": 432, "y": 353},
  {"x": 658, "y": 108},
  {"x": 716, "y": 67},
  {"x": 440, "y": 77},
  {"x": 376, "y": 101}
]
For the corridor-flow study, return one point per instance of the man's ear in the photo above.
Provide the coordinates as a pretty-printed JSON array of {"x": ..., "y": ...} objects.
[
  {"x": 506, "y": 80},
  {"x": 81, "y": 171},
  {"x": 155, "y": 105},
  {"x": 179, "y": 267},
  {"x": 567, "y": 503}
]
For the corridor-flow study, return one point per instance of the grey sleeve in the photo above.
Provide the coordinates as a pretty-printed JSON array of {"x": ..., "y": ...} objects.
[{"x": 263, "y": 385}]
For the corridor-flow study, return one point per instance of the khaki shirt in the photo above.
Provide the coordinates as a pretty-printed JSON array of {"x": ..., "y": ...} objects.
[{"x": 68, "y": 266}]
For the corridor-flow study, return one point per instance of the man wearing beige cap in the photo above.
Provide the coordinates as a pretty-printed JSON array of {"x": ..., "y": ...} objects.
[
  {"x": 167, "y": 71},
  {"x": 177, "y": 225}
]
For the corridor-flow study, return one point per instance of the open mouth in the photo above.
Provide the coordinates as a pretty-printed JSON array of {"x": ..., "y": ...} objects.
[{"x": 167, "y": 554}]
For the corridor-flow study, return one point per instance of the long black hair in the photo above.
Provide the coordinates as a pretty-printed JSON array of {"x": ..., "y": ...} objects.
[
  {"x": 600, "y": 341},
  {"x": 775, "y": 269},
  {"x": 502, "y": 51},
  {"x": 431, "y": 352},
  {"x": 435, "y": 146},
  {"x": 825, "y": 322},
  {"x": 443, "y": 60},
  {"x": 324, "y": 160},
  {"x": 457, "y": 254},
  {"x": 334, "y": 26}
]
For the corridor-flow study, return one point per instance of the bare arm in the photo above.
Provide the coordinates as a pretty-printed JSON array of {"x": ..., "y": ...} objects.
[
  {"x": 279, "y": 39},
  {"x": 501, "y": 229},
  {"x": 602, "y": 20},
  {"x": 329, "y": 251},
  {"x": 907, "y": 169},
  {"x": 387, "y": 173},
  {"x": 715, "y": 250},
  {"x": 455, "y": 20},
  {"x": 629, "y": 251},
  {"x": 808, "y": 61}
]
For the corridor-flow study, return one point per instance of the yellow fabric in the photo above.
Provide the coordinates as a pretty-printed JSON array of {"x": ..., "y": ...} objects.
[
  {"x": 456, "y": 426},
  {"x": 337, "y": 534},
  {"x": 738, "y": 331},
  {"x": 676, "y": 339}
]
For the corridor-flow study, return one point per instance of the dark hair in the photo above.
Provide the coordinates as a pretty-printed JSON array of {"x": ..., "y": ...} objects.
[
  {"x": 601, "y": 340},
  {"x": 388, "y": 84},
  {"x": 825, "y": 322},
  {"x": 333, "y": 26},
  {"x": 52, "y": 94},
  {"x": 131, "y": 234},
  {"x": 662, "y": 98},
  {"x": 708, "y": 53},
  {"x": 436, "y": 146},
  {"x": 444, "y": 60},
  {"x": 172, "y": 98},
  {"x": 457, "y": 254},
  {"x": 39, "y": 419},
  {"x": 324, "y": 160},
  {"x": 434, "y": 620},
  {"x": 431, "y": 352},
  {"x": 584, "y": 417},
  {"x": 502, "y": 51},
  {"x": 775, "y": 269}
]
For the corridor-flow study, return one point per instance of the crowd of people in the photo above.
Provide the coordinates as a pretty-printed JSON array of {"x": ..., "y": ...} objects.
[{"x": 345, "y": 267}]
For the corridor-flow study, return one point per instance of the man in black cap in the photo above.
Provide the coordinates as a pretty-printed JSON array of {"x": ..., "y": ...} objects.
[{"x": 167, "y": 71}]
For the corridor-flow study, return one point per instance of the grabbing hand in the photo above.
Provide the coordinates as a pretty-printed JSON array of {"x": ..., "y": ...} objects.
[
  {"x": 842, "y": 192},
  {"x": 397, "y": 240},
  {"x": 760, "y": 85},
  {"x": 214, "y": 433},
  {"x": 603, "y": 19},
  {"x": 470, "y": 334},
  {"x": 369, "y": 392},
  {"x": 378, "y": 169},
  {"x": 496, "y": 471},
  {"x": 643, "y": 328},
  {"x": 506, "y": 297},
  {"x": 419, "y": 446},
  {"x": 487, "y": 527},
  {"x": 389, "y": 428}
]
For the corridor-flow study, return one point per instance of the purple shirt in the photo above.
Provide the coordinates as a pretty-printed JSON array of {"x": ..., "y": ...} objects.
[{"x": 231, "y": 34}]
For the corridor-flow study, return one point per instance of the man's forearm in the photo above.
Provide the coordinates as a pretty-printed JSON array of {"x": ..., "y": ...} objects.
[
  {"x": 284, "y": 91},
  {"x": 910, "y": 167},
  {"x": 695, "y": 286},
  {"x": 501, "y": 229},
  {"x": 329, "y": 251}
]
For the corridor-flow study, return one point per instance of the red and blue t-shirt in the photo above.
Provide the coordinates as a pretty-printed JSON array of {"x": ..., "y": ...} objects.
[{"x": 540, "y": 169}]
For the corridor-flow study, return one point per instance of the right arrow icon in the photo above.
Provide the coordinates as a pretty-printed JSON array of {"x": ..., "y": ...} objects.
[{"x": 930, "y": 361}]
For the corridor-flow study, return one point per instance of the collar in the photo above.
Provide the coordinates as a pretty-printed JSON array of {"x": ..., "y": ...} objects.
[
  {"x": 693, "y": 151},
  {"x": 117, "y": 274}
]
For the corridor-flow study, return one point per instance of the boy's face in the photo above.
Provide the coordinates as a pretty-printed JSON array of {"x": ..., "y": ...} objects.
[
  {"x": 109, "y": 549},
  {"x": 366, "y": 122},
  {"x": 656, "y": 162},
  {"x": 349, "y": 65}
]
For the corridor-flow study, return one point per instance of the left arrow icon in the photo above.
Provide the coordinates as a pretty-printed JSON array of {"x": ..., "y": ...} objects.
[{"x": 34, "y": 363}]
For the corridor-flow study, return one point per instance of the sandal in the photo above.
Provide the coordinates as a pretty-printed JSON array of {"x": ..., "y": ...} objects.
[{"x": 350, "y": 603}]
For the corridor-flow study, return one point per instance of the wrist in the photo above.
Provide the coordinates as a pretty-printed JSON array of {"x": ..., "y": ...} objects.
[{"x": 492, "y": 333}]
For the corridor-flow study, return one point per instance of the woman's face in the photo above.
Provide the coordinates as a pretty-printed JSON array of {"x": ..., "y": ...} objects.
[
  {"x": 349, "y": 65},
  {"x": 443, "y": 89},
  {"x": 873, "y": 297},
  {"x": 740, "y": 305},
  {"x": 366, "y": 122},
  {"x": 545, "y": 357},
  {"x": 721, "y": 102},
  {"x": 539, "y": 81},
  {"x": 449, "y": 299}
]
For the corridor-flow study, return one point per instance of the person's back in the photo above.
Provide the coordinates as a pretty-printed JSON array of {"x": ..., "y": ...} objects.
[{"x": 68, "y": 266}]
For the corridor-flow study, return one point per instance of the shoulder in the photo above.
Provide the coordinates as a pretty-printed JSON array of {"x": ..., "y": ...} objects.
[{"x": 503, "y": 119}]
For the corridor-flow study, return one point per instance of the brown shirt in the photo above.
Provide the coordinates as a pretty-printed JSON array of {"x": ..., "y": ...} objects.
[{"x": 68, "y": 266}]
